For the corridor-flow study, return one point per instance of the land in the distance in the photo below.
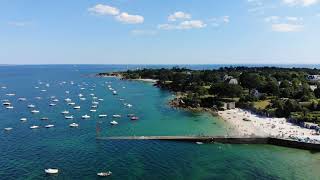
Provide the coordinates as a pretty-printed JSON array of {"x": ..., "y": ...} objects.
[{"x": 290, "y": 93}]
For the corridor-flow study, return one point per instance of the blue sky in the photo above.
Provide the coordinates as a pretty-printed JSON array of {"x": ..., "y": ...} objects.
[{"x": 159, "y": 31}]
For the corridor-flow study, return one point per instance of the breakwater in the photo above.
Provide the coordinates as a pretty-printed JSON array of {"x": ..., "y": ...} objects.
[{"x": 224, "y": 140}]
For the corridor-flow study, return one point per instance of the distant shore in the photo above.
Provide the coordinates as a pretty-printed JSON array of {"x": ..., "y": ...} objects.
[{"x": 116, "y": 75}]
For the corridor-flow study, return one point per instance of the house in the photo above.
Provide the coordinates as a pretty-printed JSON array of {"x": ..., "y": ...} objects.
[
  {"x": 229, "y": 105},
  {"x": 313, "y": 77},
  {"x": 313, "y": 87}
]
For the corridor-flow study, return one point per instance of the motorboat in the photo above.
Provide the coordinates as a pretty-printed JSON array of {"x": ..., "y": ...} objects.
[
  {"x": 93, "y": 110},
  {"x": 68, "y": 117},
  {"x": 94, "y": 106},
  {"x": 52, "y": 104},
  {"x": 23, "y": 119},
  {"x": 67, "y": 92},
  {"x": 44, "y": 118},
  {"x": 9, "y": 107},
  {"x": 34, "y": 127},
  {"x": 114, "y": 122},
  {"x": 38, "y": 97},
  {"x": 35, "y": 111},
  {"x": 100, "y": 99},
  {"x": 102, "y": 115},
  {"x": 85, "y": 117},
  {"x": 43, "y": 90},
  {"x": 65, "y": 112},
  {"x": 74, "y": 125},
  {"x": 8, "y": 129},
  {"x": 82, "y": 99},
  {"x": 104, "y": 174},
  {"x": 114, "y": 92},
  {"x": 116, "y": 116},
  {"x": 95, "y": 102},
  {"x": 31, "y": 106},
  {"x": 51, "y": 171},
  {"x": 22, "y": 99},
  {"x": 6, "y": 103},
  {"x": 49, "y": 126},
  {"x": 55, "y": 100},
  {"x": 94, "y": 97},
  {"x": 76, "y": 107},
  {"x": 67, "y": 100},
  {"x": 129, "y": 105},
  {"x": 134, "y": 118},
  {"x": 10, "y": 94},
  {"x": 71, "y": 103},
  {"x": 80, "y": 95}
]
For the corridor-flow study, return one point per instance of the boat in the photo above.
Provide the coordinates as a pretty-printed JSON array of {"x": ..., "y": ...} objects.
[
  {"x": 31, "y": 106},
  {"x": 95, "y": 102},
  {"x": 67, "y": 92},
  {"x": 130, "y": 115},
  {"x": 22, "y": 99},
  {"x": 6, "y": 103},
  {"x": 93, "y": 110},
  {"x": 9, "y": 107},
  {"x": 55, "y": 100},
  {"x": 100, "y": 99},
  {"x": 51, "y": 171},
  {"x": 94, "y": 106},
  {"x": 44, "y": 118},
  {"x": 74, "y": 125},
  {"x": 10, "y": 94},
  {"x": 85, "y": 117},
  {"x": 35, "y": 111},
  {"x": 49, "y": 126},
  {"x": 23, "y": 119},
  {"x": 104, "y": 174},
  {"x": 8, "y": 129},
  {"x": 68, "y": 117},
  {"x": 114, "y": 92},
  {"x": 43, "y": 90},
  {"x": 114, "y": 122},
  {"x": 38, "y": 97},
  {"x": 94, "y": 97},
  {"x": 76, "y": 107},
  {"x": 116, "y": 116},
  {"x": 91, "y": 94},
  {"x": 34, "y": 127},
  {"x": 67, "y": 100},
  {"x": 71, "y": 103},
  {"x": 52, "y": 104},
  {"x": 65, "y": 112},
  {"x": 80, "y": 95},
  {"x": 199, "y": 143},
  {"x": 129, "y": 105},
  {"x": 133, "y": 118},
  {"x": 102, "y": 115}
]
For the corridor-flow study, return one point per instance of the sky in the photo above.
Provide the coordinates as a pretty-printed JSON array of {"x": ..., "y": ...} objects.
[{"x": 159, "y": 32}]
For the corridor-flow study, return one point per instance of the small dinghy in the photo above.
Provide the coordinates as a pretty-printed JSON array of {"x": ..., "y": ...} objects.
[
  {"x": 114, "y": 123},
  {"x": 102, "y": 115},
  {"x": 44, "y": 118},
  {"x": 71, "y": 103},
  {"x": 23, "y": 119},
  {"x": 68, "y": 100},
  {"x": 134, "y": 118},
  {"x": 104, "y": 174},
  {"x": 55, "y": 100},
  {"x": 95, "y": 102},
  {"x": 65, "y": 112},
  {"x": 49, "y": 126},
  {"x": 74, "y": 125},
  {"x": 31, "y": 106},
  {"x": 51, "y": 171},
  {"x": 9, "y": 107},
  {"x": 68, "y": 117},
  {"x": 76, "y": 107},
  {"x": 82, "y": 99},
  {"x": 34, "y": 127},
  {"x": 116, "y": 116},
  {"x": 35, "y": 111},
  {"x": 85, "y": 117},
  {"x": 93, "y": 110},
  {"x": 52, "y": 104},
  {"x": 199, "y": 143},
  {"x": 8, "y": 129}
]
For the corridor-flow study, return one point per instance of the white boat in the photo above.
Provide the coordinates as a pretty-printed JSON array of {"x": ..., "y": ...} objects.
[
  {"x": 129, "y": 105},
  {"x": 44, "y": 118},
  {"x": 43, "y": 90},
  {"x": 55, "y": 100},
  {"x": 47, "y": 85},
  {"x": 31, "y": 106},
  {"x": 11, "y": 94},
  {"x": 52, "y": 104},
  {"x": 4, "y": 87},
  {"x": 22, "y": 99},
  {"x": 34, "y": 127},
  {"x": 114, "y": 122},
  {"x": 104, "y": 174},
  {"x": 51, "y": 171},
  {"x": 67, "y": 100},
  {"x": 6, "y": 103},
  {"x": 116, "y": 116},
  {"x": 80, "y": 95},
  {"x": 76, "y": 107},
  {"x": 102, "y": 115},
  {"x": 38, "y": 97},
  {"x": 67, "y": 92},
  {"x": 49, "y": 126},
  {"x": 85, "y": 117},
  {"x": 68, "y": 117},
  {"x": 35, "y": 111},
  {"x": 93, "y": 110},
  {"x": 95, "y": 102},
  {"x": 36, "y": 87},
  {"x": 9, "y": 107},
  {"x": 8, "y": 129},
  {"x": 74, "y": 125},
  {"x": 82, "y": 88},
  {"x": 23, "y": 119},
  {"x": 199, "y": 143},
  {"x": 94, "y": 97},
  {"x": 71, "y": 103},
  {"x": 114, "y": 92},
  {"x": 82, "y": 99},
  {"x": 100, "y": 99},
  {"x": 65, "y": 112},
  {"x": 94, "y": 106},
  {"x": 91, "y": 94}
]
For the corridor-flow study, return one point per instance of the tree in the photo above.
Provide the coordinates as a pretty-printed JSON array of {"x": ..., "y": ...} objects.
[
  {"x": 250, "y": 80},
  {"x": 226, "y": 90},
  {"x": 317, "y": 92}
]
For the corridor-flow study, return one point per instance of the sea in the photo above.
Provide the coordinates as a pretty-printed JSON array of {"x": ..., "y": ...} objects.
[{"x": 25, "y": 153}]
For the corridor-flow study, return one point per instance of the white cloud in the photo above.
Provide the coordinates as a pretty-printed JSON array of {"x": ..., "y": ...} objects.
[
  {"x": 287, "y": 27},
  {"x": 226, "y": 19},
  {"x": 300, "y": 2},
  {"x": 143, "y": 32},
  {"x": 179, "y": 15},
  {"x": 101, "y": 9},
  {"x": 18, "y": 23},
  {"x": 272, "y": 19},
  {"x": 130, "y": 19},
  {"x": 294, "y": 19},
  {"x": 192, "y": 24}
]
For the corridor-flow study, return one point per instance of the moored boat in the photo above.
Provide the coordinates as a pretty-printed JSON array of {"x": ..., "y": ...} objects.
[
  {"x": 104, "y": 174},
  {"x": 74, "y": 125},
  {"x": 51, "y": 171}
]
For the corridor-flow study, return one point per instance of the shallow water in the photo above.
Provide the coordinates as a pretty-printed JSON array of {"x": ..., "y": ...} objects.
[{"x": 25, "y": 153}]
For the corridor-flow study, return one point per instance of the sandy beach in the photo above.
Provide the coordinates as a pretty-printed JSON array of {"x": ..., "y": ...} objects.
[{"x": 245, "y": 123}]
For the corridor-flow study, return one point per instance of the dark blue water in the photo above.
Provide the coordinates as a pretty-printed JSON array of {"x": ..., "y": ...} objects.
[{"x": 25, "y": 153}]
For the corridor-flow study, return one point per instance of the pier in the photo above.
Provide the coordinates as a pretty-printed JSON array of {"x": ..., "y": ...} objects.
[{"x": 224, "y": 140}]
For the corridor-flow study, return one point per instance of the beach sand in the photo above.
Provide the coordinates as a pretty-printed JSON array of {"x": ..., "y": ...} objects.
[{"x": 245, "y": 123}]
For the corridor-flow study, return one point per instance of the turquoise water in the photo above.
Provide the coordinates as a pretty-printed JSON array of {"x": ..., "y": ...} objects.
[{"x": 25, "y": 153}]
